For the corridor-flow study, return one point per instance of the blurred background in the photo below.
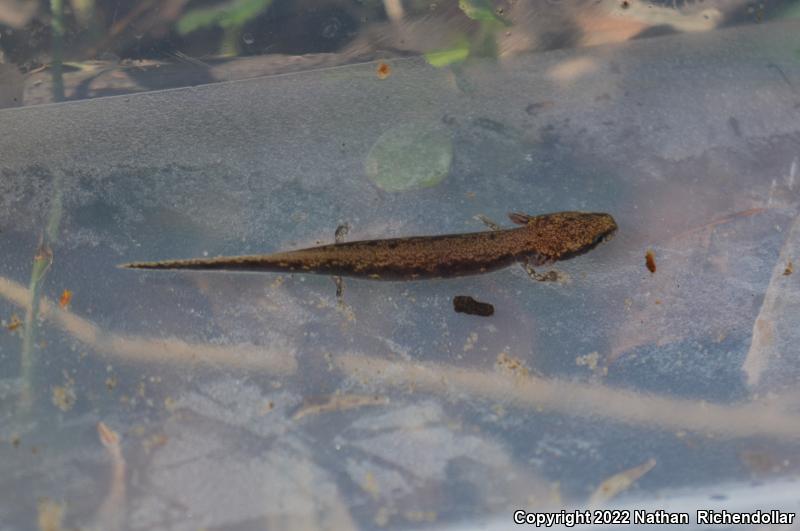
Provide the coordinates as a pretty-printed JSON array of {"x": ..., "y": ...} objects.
[{"x": 75, "y": 49}]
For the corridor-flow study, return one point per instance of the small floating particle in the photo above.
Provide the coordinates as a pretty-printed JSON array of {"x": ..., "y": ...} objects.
[
  {"x": 266, "y": 408},
  {"x": 650, "y": 260},
  {"x": 383, "y": 70},
  {"x": 507, "y": 363},
  {"x": 620, "y": 482},
  {"x": 14, "y": 323},
  {"x": 468, "y": 305},
  {"x": 63, "y": 397},
  {"x": 66, "y": 297},
  {"x": 340, "y": 403},
  {"x": 789, "y": 269},
  {"x": 589, "y": 360}
]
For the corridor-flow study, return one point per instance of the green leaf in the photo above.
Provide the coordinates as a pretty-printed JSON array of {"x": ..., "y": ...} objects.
[
  {"x": 481, "y": 10},
  {"x": 449, "y": 56},
  {"x": 232, "y": 14}
]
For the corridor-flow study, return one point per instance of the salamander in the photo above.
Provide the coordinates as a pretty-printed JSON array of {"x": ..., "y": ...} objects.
[{"x": 539, "y": 240}]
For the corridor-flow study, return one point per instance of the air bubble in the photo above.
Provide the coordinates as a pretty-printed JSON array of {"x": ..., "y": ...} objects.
[{"x": 331, "y": 28}]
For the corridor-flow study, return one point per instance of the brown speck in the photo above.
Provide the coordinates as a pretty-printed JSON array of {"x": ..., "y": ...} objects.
[
  {"x": 66, "y": 297},
  {"x": 383, "y": 71},
  {"x": 650, "y": 260},
  {"x": 511, "y": 364},
  {"x": 468, "y": 305},
  {"x": 111, "y": 382},
  {"x": 266, "y": 408},
  {"x": 789, "y": 269},
  {"x": 15, "y": 440},
  {"x": 14, "y": 323},
  {"x": 63, "y": 397},
  {"x": 625, "y": 4}
]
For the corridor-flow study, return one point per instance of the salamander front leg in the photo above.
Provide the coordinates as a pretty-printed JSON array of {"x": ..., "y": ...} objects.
[
  {"x": 341, "y": 232},
  {"x": 550, "y": 276}
]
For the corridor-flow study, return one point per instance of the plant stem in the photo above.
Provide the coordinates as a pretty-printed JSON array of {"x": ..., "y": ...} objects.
[
  {"x": 41, "y": 263},
  {"x": 57, "y": 12}
]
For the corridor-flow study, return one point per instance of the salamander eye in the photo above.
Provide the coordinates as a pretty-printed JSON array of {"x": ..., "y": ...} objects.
[{"x": 604, "y": 238}]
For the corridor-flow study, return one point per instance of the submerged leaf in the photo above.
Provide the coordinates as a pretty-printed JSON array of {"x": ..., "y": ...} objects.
[
  {"x": 229, "y": 15},
  {"x": 441, "y": 58},
  {"x": 410, "y": 156}
]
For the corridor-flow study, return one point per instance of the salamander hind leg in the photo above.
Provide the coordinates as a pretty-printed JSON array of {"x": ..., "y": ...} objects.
[{"x": 486, "y": 221}]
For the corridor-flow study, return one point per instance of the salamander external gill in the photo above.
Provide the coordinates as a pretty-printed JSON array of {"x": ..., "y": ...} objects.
[{"x": 539, "y": 240}]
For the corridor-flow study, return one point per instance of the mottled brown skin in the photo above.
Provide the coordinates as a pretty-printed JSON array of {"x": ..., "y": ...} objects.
[{"x": 541, "y": 240}]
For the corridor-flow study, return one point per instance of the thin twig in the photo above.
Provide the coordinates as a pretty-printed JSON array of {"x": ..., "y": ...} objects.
[
  {"x": 592, "y": 400},
  {"x": 41, "y": 263},
  {"x": 166, "y": 350}
]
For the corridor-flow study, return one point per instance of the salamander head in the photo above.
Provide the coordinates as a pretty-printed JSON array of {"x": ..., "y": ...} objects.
[{"x": 563, "y": 235}]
